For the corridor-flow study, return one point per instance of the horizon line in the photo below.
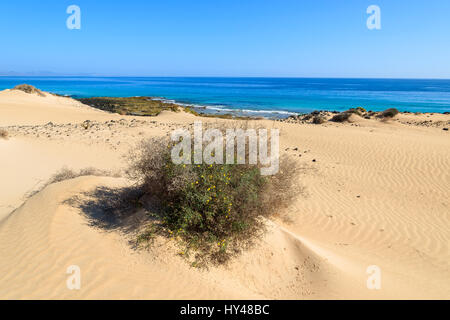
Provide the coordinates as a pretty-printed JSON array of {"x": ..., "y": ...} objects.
[{"x": 217, "y": 77}]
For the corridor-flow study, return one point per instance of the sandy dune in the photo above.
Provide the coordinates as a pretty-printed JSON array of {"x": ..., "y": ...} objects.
[
  {"x": 376, "y": 193},
  {"x": 20, "y": 108}
]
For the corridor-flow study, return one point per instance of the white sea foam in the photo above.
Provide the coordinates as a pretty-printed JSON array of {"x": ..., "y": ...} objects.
[{"x": 227, "y": 109}]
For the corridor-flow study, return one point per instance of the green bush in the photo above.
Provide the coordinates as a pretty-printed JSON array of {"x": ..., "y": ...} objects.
[{"x": 213, "y": 210}]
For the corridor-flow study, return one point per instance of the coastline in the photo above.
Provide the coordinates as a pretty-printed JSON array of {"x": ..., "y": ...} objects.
[
  {"x": 321, "y": 116},
  {"x": 268, "y": 97}
]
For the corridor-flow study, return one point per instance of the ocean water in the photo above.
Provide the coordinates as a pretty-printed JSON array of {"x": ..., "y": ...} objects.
[{"x": 270, "y": 97}]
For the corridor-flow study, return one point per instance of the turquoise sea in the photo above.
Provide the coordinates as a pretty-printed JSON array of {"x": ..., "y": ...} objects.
[{"x": 271, "y": 97}]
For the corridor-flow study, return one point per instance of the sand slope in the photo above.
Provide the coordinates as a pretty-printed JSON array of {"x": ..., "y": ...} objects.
[
  {"x": 48, "y": 236},
  {"x": 377, "y": 194},
  {"x": 20, "y": 108}
]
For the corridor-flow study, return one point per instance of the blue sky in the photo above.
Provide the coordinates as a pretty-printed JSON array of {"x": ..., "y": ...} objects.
[{"x": 279, "y": 38}]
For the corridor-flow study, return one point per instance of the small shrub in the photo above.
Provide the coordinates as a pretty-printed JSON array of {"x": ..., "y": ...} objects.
[
  {"x": 86, "y": 124},
  {"x": 3, "y": 134},
  {"x": 389, "y": 113},
  {"x": 213, "y": 210},
  {"x": 345, "y": 116},
  {"x": 361, "y": 109},
  {"x": 354, "y": 111},
  {"x": 319, "y": 120},
  {"x": 341, "y": 117}
]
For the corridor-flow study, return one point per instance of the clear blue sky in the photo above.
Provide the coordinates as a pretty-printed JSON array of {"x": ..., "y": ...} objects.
[{"x": 285, "y": 38}]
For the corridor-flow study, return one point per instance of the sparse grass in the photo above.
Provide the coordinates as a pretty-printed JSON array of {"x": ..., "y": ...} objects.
[
  {"x": 191, "y": 111},
  {"x": 29, "y": 89},
  {"x": 67, "y": 174},
  {"x": 213, "y": 211},
  {"x": 4, "y": 134},
  {"x": 137, "y": 106}
]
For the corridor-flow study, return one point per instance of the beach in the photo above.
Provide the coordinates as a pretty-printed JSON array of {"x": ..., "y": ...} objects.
[{"x": 374, "y": 193}]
